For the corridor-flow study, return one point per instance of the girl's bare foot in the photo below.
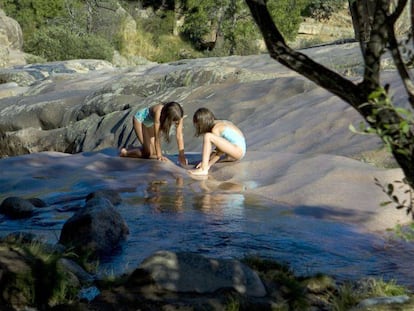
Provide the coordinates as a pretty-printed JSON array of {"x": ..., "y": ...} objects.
[
  {"x": 227, "y": 158},
  {"x": 123, "y": 152},
  {"x": 198, "y": 172}
]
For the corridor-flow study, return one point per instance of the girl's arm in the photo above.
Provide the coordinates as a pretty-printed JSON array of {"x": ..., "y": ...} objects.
[
  {"x": 157, "y": 113},
  {"x": 180, "y": 142}
]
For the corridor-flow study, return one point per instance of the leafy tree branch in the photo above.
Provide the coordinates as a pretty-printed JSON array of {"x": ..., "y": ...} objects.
[{"x": 375, "y": 21}]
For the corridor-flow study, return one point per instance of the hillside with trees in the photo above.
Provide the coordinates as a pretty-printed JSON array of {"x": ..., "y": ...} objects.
[{"x": 160, "y": 31}]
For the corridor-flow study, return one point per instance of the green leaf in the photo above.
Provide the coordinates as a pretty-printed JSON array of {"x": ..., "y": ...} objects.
[
  {"x": 403, "y": 111},
  {"x": 362, "y": 129},
  {"x": 351, "y": 127},
  {"x": 376, "y": 94},
  {"x": 405, "y": 127}
]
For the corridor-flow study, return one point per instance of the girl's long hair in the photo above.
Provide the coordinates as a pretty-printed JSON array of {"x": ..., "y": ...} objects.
[
  {"x": 172, "y": 112},
  {"x": 203, "y": 121}
]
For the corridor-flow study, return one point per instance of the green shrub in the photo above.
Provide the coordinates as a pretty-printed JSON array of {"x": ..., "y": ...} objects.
[
  {"x": 159, "y": 25},
  {"x": 323, "y": 9},
  {"x": 34, "y": 59},
  {"x": 57, "y": 43},
  {"x": 198, "y": 21},
  {"x": 171, "y": 48},
  {"x": 94, "y": 47},
  {"x": 287, "y": 15},
  {"x": 33, "y": 14}
]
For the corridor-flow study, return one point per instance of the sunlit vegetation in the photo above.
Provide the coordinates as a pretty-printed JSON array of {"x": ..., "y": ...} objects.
[{"x": 163, "y": 32}]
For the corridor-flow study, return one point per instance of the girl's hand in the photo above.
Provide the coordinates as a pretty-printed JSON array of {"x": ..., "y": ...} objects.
[{"x": 182, "y": 160}]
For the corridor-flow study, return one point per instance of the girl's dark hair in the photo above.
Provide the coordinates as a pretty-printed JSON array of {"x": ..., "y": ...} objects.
[
  {"x": 203, "y": 121},
  {"x": 171, "y": 112}
]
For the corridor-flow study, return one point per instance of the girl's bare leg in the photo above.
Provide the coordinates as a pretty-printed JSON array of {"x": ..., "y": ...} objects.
[
  {"x": 148, "y": 144},
  {"x": 214, "y": 157},
  {"x": 132, "y": 153},
  {"x": 221, "y": 144},
  {"x": 138, "y": 128},
  {"x": 146, "y": 138}
]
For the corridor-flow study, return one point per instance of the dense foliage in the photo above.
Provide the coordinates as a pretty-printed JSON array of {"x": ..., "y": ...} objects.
[
  {"x": 67, "y": 29},
  {"x": 323, "y": 9},
  {"x": 47, "y": 42},
  {"x": 32, "y": 14},
  {"x": 288, "y": 15}
]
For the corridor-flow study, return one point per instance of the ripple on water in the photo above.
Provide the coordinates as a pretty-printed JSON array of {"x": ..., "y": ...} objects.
[{"x": 232, "y": 225}]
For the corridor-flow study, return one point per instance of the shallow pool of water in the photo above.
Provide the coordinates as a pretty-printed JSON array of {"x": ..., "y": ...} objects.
[
  {"x": 180, "y": 214},
  {"x": 233, "y": 225}
]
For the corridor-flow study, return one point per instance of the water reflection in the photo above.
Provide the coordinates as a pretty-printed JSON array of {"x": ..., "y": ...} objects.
[
  {"x": 162, "y": 199},
  {"x": 219, "y": 197},
  {"x": 163, "y": 196},
  {"x": 219, "y": 204},
  {"x": 218, "y": 219}
]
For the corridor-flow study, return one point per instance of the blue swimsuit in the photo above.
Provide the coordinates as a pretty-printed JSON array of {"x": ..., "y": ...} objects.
[
  {"x": 144, "y": 116},
  {"x": 235, "y": 138}
]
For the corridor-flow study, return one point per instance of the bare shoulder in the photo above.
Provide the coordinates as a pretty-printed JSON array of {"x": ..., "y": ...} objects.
[
  {"x": 219, "y": 126},
  {"x": 156, "y": 110},
  {"x": 228, "y": 124}
]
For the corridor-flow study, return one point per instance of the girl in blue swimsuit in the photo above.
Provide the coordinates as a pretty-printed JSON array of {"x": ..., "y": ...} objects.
[
  {"x": 153, "y": 122},
  {"x": 224, "y": 135}
]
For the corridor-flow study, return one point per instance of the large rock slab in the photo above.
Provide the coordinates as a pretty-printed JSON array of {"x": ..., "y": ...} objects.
[
  {"x": 300, "y": 150},
  {"x": 78, "y": 106}
]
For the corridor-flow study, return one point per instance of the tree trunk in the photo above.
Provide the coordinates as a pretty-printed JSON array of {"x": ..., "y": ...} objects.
[
  {"x": 178, "y": 16},
  {"x": 232, "y": 13},
  {"x": 375, "y": 30}
]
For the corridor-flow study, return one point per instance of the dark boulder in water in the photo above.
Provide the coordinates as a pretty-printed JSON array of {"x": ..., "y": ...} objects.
[
  {"x": 95, "y": 230},
  {"x": 17, "y": 208}
]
